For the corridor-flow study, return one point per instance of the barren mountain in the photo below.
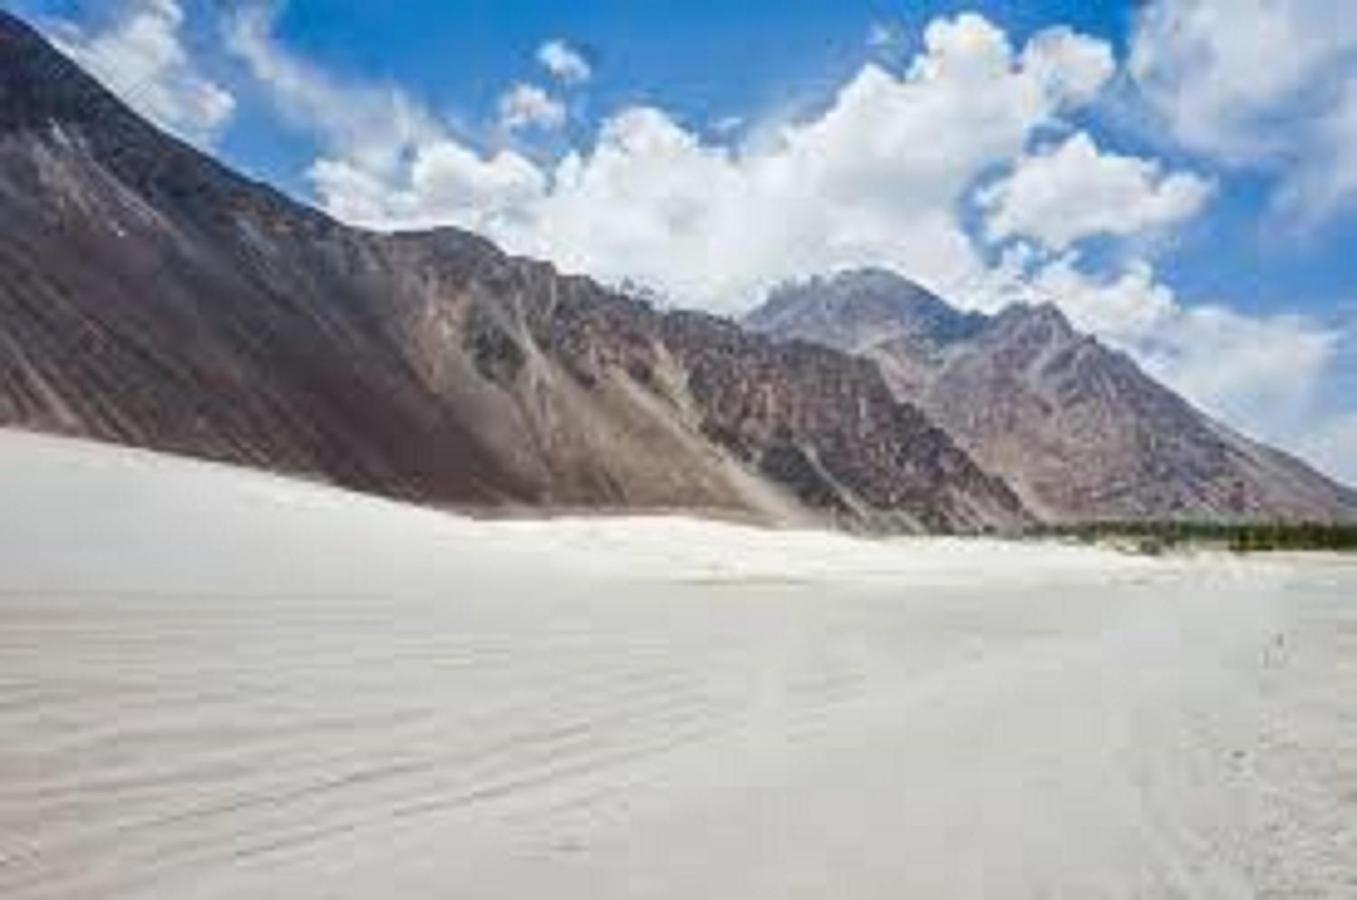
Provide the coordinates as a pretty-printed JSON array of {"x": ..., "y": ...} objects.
[
  {"x": 1077, "y": 428},
  {"x": 151, "y": 296}
]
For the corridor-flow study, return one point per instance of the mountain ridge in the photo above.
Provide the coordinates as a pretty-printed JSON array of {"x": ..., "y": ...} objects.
[
  {"x": 1076, "y": 427},
  {"x": 151, "y": 296}
]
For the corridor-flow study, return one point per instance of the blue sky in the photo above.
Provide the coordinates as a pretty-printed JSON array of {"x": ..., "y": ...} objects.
[{"x": 1133, "y": 162}]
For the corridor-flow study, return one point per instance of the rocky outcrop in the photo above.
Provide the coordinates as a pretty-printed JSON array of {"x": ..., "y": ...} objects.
[
  {"x": 829, "y": 422},
  {"x": 150, "y": 296},
  {"x": 1077, "y": 428}
]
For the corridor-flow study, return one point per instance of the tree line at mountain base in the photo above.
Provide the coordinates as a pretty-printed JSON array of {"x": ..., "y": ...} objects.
[{"x": 1158, "y": 537}]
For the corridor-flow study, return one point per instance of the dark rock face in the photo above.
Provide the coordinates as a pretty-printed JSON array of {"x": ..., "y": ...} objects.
[
  {"x": 150, "y": 296},
  {"x": 788, "y": 464},
  {"x": 1076, "y": 428},
  {"x": 758, "y": 397}
]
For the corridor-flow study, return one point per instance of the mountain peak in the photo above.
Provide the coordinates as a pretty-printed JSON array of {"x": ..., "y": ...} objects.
[
  {"x": 873, "y": 278},
  {"x": 40, "y": 87},
  {"x": 861, "y": 307},
  {"x": 1046, "y": 318},
  {"x": 46, "y": 97},
  {"x": 1078, "y": 429}
]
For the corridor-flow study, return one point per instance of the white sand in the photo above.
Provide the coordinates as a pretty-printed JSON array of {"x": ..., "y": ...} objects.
[{"x": 219, "y": 684}]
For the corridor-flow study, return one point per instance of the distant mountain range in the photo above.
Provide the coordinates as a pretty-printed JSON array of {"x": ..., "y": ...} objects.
[
  {"x": 1076, "y": 428},
  {"x": 151, "y": 296}
]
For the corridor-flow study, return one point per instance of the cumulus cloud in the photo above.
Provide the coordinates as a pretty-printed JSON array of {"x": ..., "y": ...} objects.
[
  {"x": 528, "y": 106},
  {"x": 142, "y": 58},
  {"x": 1327, "y": 181},
  {"x": 377, "y": 128},
  {"x": 1075, "y": 191},
  {"x": 1067, "y": 64},
  {"x": 875, "y": 178},
  {"x": 1261, "y": 374},
  {"x": 1261, "y": 83},
  {"x": 496, "y": 193},
  {"x": 564, "y": 62},
  {"x": 386, "y": 159}
]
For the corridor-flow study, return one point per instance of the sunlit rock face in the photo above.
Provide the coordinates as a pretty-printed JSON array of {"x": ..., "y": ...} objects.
[{"x": 1075, "y": 427}]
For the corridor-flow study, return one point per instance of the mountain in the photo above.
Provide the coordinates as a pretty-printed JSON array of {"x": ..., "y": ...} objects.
[
  {"x": 150, "y": 296},
  {"x": 904, "y": 328},
  {"x": 1077, "y": 428}
]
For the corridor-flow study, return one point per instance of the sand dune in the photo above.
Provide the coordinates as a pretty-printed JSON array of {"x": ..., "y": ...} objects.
[{"x": 220, "y": 684}]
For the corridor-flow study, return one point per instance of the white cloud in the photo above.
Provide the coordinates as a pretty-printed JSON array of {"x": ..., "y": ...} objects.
[
  {"x": 714, "y": 224},
  {"x": 1260, "y": 83},
  {"x": 876, "y": 178},
  {"x": 1068, "y": 64},
  {"x": 142, "y": 58},
  {"x": 1261, "y": 374},
  {"x": 528, "y": 106},
  {"x": 376, "y": 129},
  {"x": 1127, "y": 306},
  {"x": 1074, "y": 191},
  {"x": 1327, "y": 182},
  {"x": 564, "y": 62},
  {"x": 387, "y": 159},
  {"x": 494, "y": 194}
]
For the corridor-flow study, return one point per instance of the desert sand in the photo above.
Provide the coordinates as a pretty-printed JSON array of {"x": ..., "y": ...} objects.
[{"x": 221, "y": 684}]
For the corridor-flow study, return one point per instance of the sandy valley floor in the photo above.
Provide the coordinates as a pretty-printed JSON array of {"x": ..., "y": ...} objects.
[{"x": 218, "y": 684}]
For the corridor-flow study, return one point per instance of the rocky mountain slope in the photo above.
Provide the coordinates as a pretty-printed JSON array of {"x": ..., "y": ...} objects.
[
  {"x": 150, "y": 296},
  {"x": 1075, "y": 427}
]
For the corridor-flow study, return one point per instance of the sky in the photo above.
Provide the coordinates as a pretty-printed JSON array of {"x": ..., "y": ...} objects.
[{"x": 1180, "y": 176}]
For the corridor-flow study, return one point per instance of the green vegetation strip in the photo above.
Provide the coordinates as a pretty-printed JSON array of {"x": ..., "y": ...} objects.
[{"x": 1154, "y": 537}]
